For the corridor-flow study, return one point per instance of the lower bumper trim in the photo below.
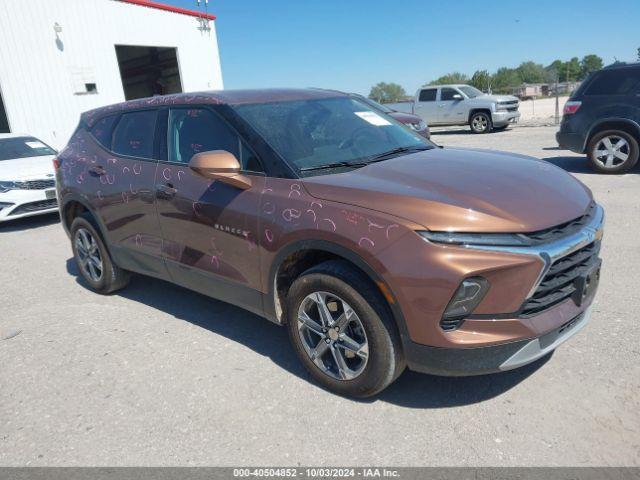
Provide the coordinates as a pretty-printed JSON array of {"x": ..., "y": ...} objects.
[{"x": 461, "y": 362}]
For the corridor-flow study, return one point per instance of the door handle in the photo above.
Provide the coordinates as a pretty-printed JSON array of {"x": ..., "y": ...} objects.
[
  {"x": 98, "y": 170},
  {"x": 166, "y": 190}
]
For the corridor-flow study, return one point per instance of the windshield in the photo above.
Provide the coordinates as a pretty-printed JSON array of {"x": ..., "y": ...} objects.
[
  {"x": 471, "y": 92},
  {"x": 376, "y": 105},
  {"x": 311, "y": 133},
  {"x": 22, "y": 147}
]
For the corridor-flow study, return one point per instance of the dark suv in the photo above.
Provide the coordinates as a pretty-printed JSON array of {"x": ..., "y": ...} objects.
[
  {"x": 374, "y": 247},
  {"x": 602, "y": 119}
]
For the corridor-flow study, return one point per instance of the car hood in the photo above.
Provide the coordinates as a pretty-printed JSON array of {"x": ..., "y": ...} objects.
[
  {"x": 464, "y": 190},
  {"x": 405, "y": 117},
  {"x": 496, "y": 98},
  {"x": 27, "y": 168}
]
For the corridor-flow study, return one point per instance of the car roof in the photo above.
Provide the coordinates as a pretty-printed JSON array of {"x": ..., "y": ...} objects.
[
  {"x": 15, "y": 135},
  {"x": 455, "y": 85},
  {"x": 216, "y": 97}
]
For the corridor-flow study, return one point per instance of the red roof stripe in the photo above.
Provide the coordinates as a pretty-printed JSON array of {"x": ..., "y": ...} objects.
[{"x": 169, "y": 8}]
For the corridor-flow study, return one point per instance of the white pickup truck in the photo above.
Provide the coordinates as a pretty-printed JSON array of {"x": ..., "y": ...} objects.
[{"x": 462, "y": 105}]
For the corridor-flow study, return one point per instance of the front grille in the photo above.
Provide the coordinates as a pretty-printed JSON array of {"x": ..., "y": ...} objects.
[
  {"x": 558, "y": 283},
  {"x": 562, "y": 230},
  {"x": 36, "y": 184},
  {"x": 35, "y": 206}
]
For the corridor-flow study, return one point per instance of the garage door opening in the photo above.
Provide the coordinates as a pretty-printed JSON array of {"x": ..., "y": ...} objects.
[
  {"x": 4, "y": 123},
  {"x": 148, "y": 71}
]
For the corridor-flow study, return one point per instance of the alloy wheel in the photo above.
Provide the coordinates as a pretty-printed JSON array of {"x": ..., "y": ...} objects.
[
  {"x": 88, "y": 254},
  {"x": 612, "y": 151},
  {"x": 479, "y": 123},
  {"x": 333, "y": 335}
]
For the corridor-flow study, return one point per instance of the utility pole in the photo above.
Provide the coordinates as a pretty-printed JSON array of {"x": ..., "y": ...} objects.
[{"x": 557, "y": 100}]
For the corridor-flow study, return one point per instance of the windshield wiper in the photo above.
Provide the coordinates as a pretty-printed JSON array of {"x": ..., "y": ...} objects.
[
  {"x": 333, "y": 165},
  {"x": 396, "y": 151}
]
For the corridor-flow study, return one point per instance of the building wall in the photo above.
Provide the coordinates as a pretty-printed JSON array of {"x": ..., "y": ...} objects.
[{"x": 40, "y": 72}]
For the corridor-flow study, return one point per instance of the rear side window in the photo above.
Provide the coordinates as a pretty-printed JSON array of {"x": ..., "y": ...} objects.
[
  {"x": 623, "y": 81},
  {"x": 102, "y": 131},
  {"x": 428, "y": 95},
  {"x": 135, "y": 133}
]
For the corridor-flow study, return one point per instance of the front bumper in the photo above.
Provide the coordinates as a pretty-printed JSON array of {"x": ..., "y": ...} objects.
[
  {"x": 501, "y": 118},
  {"x": 490, "y": 359},
  {"x": 26, "y": 203}
]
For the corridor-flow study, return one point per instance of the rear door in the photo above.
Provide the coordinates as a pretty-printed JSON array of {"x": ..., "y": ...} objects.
[
  {"x": 209, "y": 228},
  {"x": 121, "y": 174},
  {"x": 426, "y": 106},
  {"x": 450, "y": 110}
]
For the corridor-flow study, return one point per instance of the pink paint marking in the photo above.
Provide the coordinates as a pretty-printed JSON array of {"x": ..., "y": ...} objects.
[
  {"x": 268, "y": 234},
  {"x": 112, "y": 160},
  {"x": 166, "y": 173},
  {"x": 311, "y": 212},
  {"x": 138, "y": 240},
  {"x": 315, "y": 203},
  {"x": 350, "y": 217},
  {"x": 390, "y": 227},
  {"x": 134, "y": 192},
  {"x": 268, "y": 208},
  {"x": 196, "y": 209},
  {"x": 80, "y": 178},
  {"x": 330, "y": 222},
  {"x": 365, "y": 240},
  {"x": 374, "y": 225},
  {"x": 290, "y": 214},
  {"x": 137, "y": 168},
  {"x": 111, "y": 179},
  {"x": 180, "y": 172},
  {"x": 125, "y": 197},
  {"x": 215, "y": 261},
  {"x": 125, "y": 170}
]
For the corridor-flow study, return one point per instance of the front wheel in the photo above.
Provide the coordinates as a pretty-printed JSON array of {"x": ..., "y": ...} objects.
[
  {"x": 480, "y": 122},
  {"x": 344, "y": 337},
  {"x": 612, "y": 151}
]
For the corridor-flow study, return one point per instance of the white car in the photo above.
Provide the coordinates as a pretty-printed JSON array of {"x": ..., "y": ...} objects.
[{"x": 27, "y": 182}]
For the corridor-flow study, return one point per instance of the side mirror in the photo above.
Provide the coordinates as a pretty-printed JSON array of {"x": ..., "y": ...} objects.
[
  {"x": 220, "y": 165},
  {"x": 457, "y": 97}
]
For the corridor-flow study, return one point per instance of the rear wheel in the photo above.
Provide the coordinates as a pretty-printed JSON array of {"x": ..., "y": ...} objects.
[
  {"x": 480, "y": 122},
  {"x": 92, "y": 257},
  {"x": 343, "y": 336},
  {"x": 612, "y": 151}
]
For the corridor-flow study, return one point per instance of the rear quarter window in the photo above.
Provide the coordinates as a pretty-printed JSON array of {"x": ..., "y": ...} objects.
[
  {"x": 623, "y": 81},
  {"x": 102, "y": 130}
]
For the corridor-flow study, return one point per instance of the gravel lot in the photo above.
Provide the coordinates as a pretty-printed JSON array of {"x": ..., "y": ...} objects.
[{"x": 157, "y": 375}]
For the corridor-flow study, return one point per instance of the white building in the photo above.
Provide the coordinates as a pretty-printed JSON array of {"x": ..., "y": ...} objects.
[{"x": 59, "y": 58}]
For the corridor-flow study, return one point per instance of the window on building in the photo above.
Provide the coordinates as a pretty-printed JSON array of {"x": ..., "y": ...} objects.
[
  {"x": 135, "y": 133},
  {"x": 428, "y": 95}
]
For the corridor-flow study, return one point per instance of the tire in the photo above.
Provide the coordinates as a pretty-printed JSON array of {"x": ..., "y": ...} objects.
[
  {"x": 480, "y": 122},
  {"x": 612, "y": 151},
  {"x": 343, "y": 289},
  {"x": 89, "y": 249}
]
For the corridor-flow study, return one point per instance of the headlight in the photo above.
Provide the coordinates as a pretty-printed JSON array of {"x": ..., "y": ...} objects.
[
  {"x": 496, "y": 239},
  {"x": 500, "y": 106},
  {"x": 6, "y": 186}
]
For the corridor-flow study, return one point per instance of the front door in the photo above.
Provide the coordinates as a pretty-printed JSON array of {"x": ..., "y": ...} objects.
[
  {"x": 209, "y": 228},
  {"x": 450, "y": 107}
]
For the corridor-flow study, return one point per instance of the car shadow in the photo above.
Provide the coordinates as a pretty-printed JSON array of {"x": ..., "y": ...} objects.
[
  {"x": 411, "y": 390},
  {"x": 579, "y": 165},
  {"x": 27, "y": 223}
]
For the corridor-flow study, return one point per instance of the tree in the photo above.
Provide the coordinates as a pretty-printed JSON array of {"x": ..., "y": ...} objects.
[
  {"x": 590, "y": 63},
  {"x": 449, "y": 78},
  {"x": 481, "y": 79},
  {"x": 531, "y": 72},
  {"x": 387, "y": 92},
  {"x": 573, "y": 70},
  {"x": 554, "y": 70},
  {"x": 639, "y": 54},
  {"x": 505, "y": 79}
]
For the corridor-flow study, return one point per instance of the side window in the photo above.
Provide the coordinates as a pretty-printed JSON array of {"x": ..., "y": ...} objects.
[
  {"x": 102, "y": 130},
  {"x": 195, "y": 130},
  {"x": 446, "y": 94},
  {"x": 623, "y": 81},
  {"x": 428, "y": 95},
  {"x": 135, "y": 133}
]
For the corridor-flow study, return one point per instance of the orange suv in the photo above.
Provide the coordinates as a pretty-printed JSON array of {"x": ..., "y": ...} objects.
[{"x": 374, "y": 247}]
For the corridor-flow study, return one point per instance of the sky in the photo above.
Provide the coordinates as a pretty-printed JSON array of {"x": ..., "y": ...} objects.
[{"x": 351, "y": 45}]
